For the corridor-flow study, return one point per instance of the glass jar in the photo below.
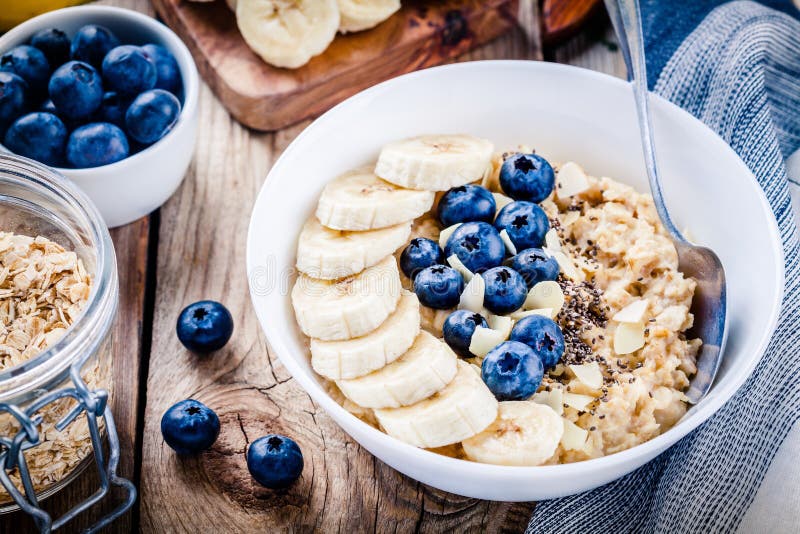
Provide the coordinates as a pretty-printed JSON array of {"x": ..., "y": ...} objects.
[{"x": 54, "y": 407}]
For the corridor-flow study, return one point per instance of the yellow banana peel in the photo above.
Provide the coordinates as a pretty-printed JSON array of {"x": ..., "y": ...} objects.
[{"x": 14, "y": 12}]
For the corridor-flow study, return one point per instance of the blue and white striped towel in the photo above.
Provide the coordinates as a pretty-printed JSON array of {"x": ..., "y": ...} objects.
[{"x": 736, "y": 67}]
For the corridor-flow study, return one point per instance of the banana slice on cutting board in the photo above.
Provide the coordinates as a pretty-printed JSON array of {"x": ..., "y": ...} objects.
[
  {"x": 287, "y": 33},
  {"x": 524, "y": 433},
  {"x": 347, "y": 308},
  {"x": 333, "y": 254},
  {"x": 359, "y": 200},
  {"x": 427, "y": 367},
  {"x": 356, "y": 357},
  {"x": 461, "y": 410},
  {"x": 435, "y": 162},
  {"x": 357, "y": 15}
]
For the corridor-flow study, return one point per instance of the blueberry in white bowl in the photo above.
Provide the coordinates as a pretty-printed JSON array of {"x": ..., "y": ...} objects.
[
  {"x": 525, "y": 222},
  {"x": 512, "y": 371},
  {"x": 54, "y": 44},
  {"x": 477, "y": 244},
  {"x": 466, "y": 203},
  {"x": 96, "y": 144},
  {"x": 30, "y": 64},
  {"x": 458, "y": 329},
  {"x": 13, "y": 99},
  {"x": 128, "y": 70},
  {"x": 505, "y": 290},
  {"x": 76, "y": 90},
  {"x": 439, "y": 287},
  {"x": 535, "y": 266},
  {"x": 113, "y": 109},
  {"x": 168, "y": 74},
  {"x": 40, "y": 136},
  {"x": 527, "y": 177},
  {"x": 91, "y": 43},
  {"x": 204, "y": 326},
  {"x": 541, "y": 334},
  {"x": 48, "y": 107},
  {"x": 189, "y": 427},
  {"x": 152, "y": 115},
  {"x": 420, "y": 253},
  {"x": 275, "y": 461}
]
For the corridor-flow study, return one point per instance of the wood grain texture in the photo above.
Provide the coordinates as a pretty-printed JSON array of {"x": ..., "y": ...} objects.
[
  {"x": 563, "y": 18},
  {"x": 596, "y": 48},
  {"x": 421, "y": 34}
]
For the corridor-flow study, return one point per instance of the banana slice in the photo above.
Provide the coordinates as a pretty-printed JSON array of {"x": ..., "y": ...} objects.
[
  {"x": 427, "y": 367},
  {"x": 461, "y": 410},
  {"x": 359, "y": 200},
  {"x": 360, "y": 15},
  {"x": 333, "y": 254},
  {"x": 348, "y": 308},
  {"x": 435, "y": 162},
  {"x": 524, "y": 433},
  {"x": 287, "y": 33},
  {"x": 362, "y": 355}
]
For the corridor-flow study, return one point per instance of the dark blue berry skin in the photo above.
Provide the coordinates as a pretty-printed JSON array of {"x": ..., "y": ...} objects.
[
  {"x": 128, "y": 71},
  {"x": 168, "y": 74},
  {"x": 13, "y": 99},
  {"x": 54, "y": 44},
  {"x": 512, "y": 371},
  {"x": 542, "y": 335},
  {"x": 113, "y": 109},
  {"x": 152, "y": 115},
  {"x": 505, "y": 290},
  {"x": 76, "y": 90},
  {"x": 525, "y": 222},
  {"x": 458, "y": 329},
  {"x": 466, "y": 203},
  {"x": 478, "y": 245},
  {"x": 535, "y": 266},
  {"x": 189, "y": 427},
  {"x": 40, "y": 136},
  {"x": 96, "y": 144},
  {"x": 30, "y": 64},
  {"x": 91, "y": 44},
  {"x": 439, "y": 287},
  {"x": 527, "y": 177},
  {"x": 204, "y": 326},
  {"x": 420, "y": 253},
  {"x": 274, "y": 461}
]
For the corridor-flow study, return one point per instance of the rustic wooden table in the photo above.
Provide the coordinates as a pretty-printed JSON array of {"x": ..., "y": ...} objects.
[{"x": 194, "y": 248}]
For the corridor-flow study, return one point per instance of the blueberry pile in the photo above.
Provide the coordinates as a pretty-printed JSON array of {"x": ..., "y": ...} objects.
[
  {"x": 513, "y": 370},
  {"x": 86, "y": 101}
]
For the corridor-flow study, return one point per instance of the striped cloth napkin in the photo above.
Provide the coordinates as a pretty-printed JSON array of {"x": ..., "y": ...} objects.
[{"x": 736, "y": 67}]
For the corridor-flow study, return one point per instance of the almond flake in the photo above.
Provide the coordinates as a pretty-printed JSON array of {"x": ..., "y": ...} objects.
[
  {"x": 456, "y": 263},
  {"x": 509, "y": 244},
  {"x": 552, "y": 398},
  {"x": 628, "y": 337},
  {"x": 579, "y": 402},
  {"x": 472, "y": 296},
  {"x": 552, "y": 240},
  {"x": 544, "y": 312},
  {"x": 546, "y": 294},
  {"x": 484, "y": 340},
  {"x": 501, "y": 201},
  {"x": 501, "y": 323},
  {"x": 589, "y": 374},
  {"x": 574, "y": 437},
  {"x": 570, "y": 180},
  {"x": 632, "y": 313},
  {"x": 445, "y": 234}
]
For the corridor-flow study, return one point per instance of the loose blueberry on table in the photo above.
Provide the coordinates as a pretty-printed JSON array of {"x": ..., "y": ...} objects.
[
  {"x": 419, "y": 254},
  {"x": 275, "y": 461},
  {"x": 535, "y": 266},
  {"x": 512, "y": 371},
  {"x": 525, "y": 222},
  {"x": 189, "y": 427},
  {"x": 205, "y": 326},
  {"x": 466, "y": 203},
  {"x": 527, "y": 177},
  {"x": 477, "y": 244},
  {"x": 458, "y": 329},
  {"x": 439, "y": 287},
  {"x": 505, "y": 290},
  {"x": 542, "y": 335}
]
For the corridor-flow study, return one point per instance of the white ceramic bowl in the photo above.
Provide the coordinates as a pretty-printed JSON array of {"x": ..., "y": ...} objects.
[
  {"x": 568, "y": 114},
  {"x": 135, "y": 186}
]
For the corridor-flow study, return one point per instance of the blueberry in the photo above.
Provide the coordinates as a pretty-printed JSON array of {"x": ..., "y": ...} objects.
[
  {"x": 152, "y": 115},
  {"x": 275, "y": 461},
  {"x": 168, "y": 74},
  {"x": 527, "y": 177},
  {"x": 40, "y": 136},
  {"x": 512, "y": 371},
  {"x": 13, "y": 98},
  {"x": 535, "y": 266},
  {"x": 542, "y": 335},
  {"x": 128, "y": 71},
  {"x": 54, "y": 44},
  {"x": 91, "y": 44},
  {"x": 76, "y": 90},
  {"x": 477, "y": 245},
  {"x": 189, "y": 426},
  {"x": 29, "y": 64},
  {"x": 96, "y": 144},
  {"x": 420, "y": 253},
  {"x": 439, "y": 287},
  {"x": 205, "y": 326},
  {"x": 48, "y": 107},
  {"x": 525, "y": 222},
  {"x": 466, "y": 203},
  {"x": 113, "y": 109},
  {"x": 505, "y": 290},
  {"x": 458, "y": 329}
]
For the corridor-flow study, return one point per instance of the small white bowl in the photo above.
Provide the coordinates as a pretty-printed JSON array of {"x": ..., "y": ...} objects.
[
  {"x": 566, "y": 113},
  {"x": 131, "y": 188}
]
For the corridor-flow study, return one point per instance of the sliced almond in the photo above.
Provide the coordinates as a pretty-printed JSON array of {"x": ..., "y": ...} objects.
[
  {"x": 456, "y": 263},
  {"x": 544, "y": 312},
  {"x": 589, "y": 374},
  {"x": 628, "y": 337},
  {"x": 546, "y": 294},
  {"x": 484, "y": 340},
  {"x": 501, "y": 323},
  {"x": 570, "y": 180},
  {"x": 445, "y": 234},
  {"x": 553, "y": 398},
  {"x": 579, "y": 402},
  {"x": 472, "y": 296},
  {"x": 570, "y": 218},
  {"x": 574, "y": 437},
  {"x": 501, "y": 201},
  {"x": 509, "y": 244},
  {"x": 632, "y": 313},
  {"x": 567, "y": 266},
  {"x": 552, "y": 241}
]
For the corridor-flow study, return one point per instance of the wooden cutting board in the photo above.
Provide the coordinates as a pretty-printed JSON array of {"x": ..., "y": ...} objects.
[{"x": 421, "y": 34}]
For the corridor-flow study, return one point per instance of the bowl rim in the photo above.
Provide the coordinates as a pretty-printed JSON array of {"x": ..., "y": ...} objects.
[
  {"x": 694, "y": 417},
  {"x": 190, "y": 76}
]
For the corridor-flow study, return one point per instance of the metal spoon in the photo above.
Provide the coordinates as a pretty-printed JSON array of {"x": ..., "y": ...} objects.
[{"x": 700, "y": 263}]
